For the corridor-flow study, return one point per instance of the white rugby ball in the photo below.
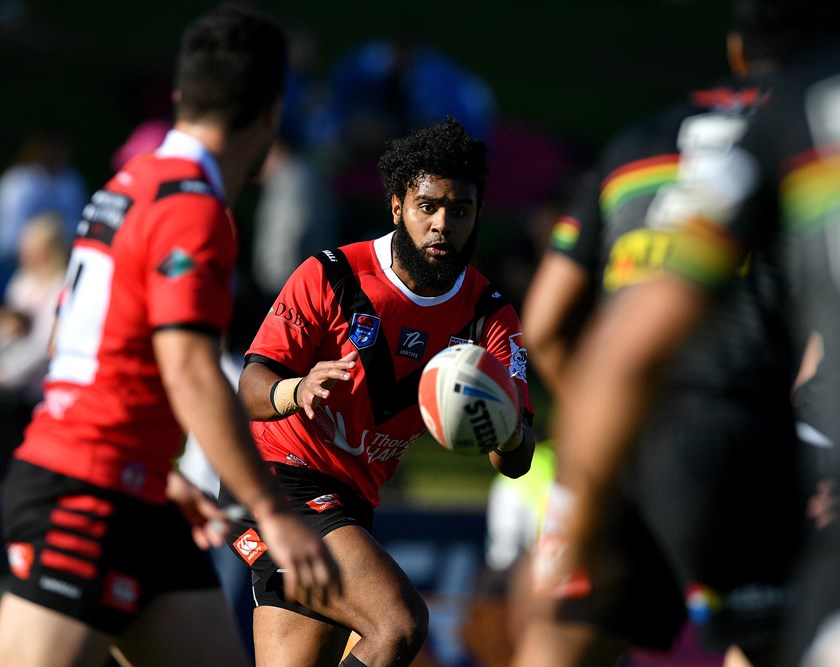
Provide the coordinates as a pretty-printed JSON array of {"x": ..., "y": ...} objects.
[{"x": 468, "y": 400}]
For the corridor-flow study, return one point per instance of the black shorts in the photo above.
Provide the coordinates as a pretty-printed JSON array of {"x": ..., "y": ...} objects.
[
  {"x": 94, "y": 554},
  {"x": 635, "y": 595},
  {"x": 712, "y": 509},
  {"x": 325, "y": 503}
]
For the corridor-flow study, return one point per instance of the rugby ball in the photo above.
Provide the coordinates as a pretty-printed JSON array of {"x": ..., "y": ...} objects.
[{"x": 468, "y": 400}]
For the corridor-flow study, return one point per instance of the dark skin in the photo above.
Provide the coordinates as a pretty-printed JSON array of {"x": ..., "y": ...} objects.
[{"x": 378, "y": 602}]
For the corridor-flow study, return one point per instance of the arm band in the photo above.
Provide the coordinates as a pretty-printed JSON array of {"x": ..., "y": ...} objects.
[
  {"x": 283, "y": 396},
  {"x": 510, "y": 451},
  {"x": 505, "y": 453}
]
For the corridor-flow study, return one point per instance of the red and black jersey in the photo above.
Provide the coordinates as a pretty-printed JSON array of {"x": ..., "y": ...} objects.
[
  {"x": 350, "y": 298},
  {"x": 155, "y": 249}
]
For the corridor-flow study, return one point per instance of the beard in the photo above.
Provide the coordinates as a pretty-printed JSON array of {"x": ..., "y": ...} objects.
[{"x": 429, "y": 273}]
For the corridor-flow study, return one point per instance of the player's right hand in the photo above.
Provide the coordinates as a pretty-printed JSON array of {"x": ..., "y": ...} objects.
[
  {"x": 309, "y": 570},
  {"x": 323, "y": 376}
]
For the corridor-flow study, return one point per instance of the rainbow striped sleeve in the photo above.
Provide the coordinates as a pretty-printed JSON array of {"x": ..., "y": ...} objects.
[
  {"x": 809, "y": 192},
  {"x": 636, "y": 179},
  {"x": 705, "y": 253}
]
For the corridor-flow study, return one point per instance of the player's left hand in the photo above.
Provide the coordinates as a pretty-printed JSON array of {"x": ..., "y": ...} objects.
[{"x": 209, "y": 522}]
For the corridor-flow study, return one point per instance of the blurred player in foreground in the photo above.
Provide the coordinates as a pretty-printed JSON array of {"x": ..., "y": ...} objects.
[
  {"x": 706, "y": 518},
  {"x": 99, "y": 552},
  {"x": 331, "y": 382},
  {"x": 737, "y": 194}
]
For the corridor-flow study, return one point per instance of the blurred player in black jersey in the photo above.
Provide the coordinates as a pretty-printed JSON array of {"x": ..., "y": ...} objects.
[
  {"x": 705, "y": 519},
  {"x": 737, "y": 197}
]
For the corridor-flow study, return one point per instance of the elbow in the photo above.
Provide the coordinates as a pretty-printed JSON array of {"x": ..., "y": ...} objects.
[
  {"x": 253, "y": 392},
  {"x": 246, "y": 396}
]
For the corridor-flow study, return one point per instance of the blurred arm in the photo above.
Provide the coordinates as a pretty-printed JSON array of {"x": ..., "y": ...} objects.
[
  {"x": 205, "y": 405},
  {"x": 550, "y": 315},
  {"x": 516, "y": 462},
  {"x": 611, "y": 381}
]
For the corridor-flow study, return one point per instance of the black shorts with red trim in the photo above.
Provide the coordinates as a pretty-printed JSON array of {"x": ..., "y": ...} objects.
[
  {"x": 324, "y": 502},
  {"x": 94, "y": 554}
]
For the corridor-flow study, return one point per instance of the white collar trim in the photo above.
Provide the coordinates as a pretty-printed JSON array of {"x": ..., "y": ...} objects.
[
  {"x": 182, "y": 145},
  {"x": 382, "y": 248}
]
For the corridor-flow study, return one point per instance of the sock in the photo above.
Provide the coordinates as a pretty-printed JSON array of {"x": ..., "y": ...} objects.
[{"x": 351, "y": 661}]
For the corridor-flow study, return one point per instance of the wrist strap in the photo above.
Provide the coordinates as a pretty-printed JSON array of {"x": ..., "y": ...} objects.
[
  {"x": 509, "y": 451},
  {"x": 505, "y": 453},
  {"x": 283, "y": 396}
]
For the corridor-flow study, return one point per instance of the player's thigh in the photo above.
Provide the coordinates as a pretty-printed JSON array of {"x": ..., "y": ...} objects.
[
  {"x": 30, "y": 633},
  {"x": 285, "y": 638},
  {"x": 377, "y": 593},
  {"x": 184, "y": 628}
]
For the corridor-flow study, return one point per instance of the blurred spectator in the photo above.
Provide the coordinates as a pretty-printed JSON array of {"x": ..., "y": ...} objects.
[
  {"x": 526, "y": 164},
  {"x": 286, "y": 212},
  {"x": 295, "y": 217},
  {"x": 381, "y": 90},
  {"x": 308, "y": 121},
  {"x": 26, "y": 321},
  {"x": 144, "y": 138},
  {"x": 41, "y": 178},
  {"x": 514, "y": 510},
  {"x": 386, "y": 87},
  {"x": 522, "y": 238}
]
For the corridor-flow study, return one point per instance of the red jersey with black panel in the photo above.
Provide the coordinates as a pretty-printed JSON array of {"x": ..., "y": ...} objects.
[
  {"x": 155, "y": 249},
  {"x": 336, "y": 302}
]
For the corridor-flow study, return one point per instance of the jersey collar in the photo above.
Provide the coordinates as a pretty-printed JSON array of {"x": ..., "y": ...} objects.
[{"x": 182, "y": 145}]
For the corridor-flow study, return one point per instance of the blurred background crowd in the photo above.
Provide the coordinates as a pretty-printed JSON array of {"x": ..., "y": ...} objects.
[{"x": 86, "y": 87}]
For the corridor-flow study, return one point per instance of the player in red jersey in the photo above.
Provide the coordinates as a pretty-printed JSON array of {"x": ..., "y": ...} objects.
[
  {"x": 101, "y": 557},
  {"x": 331, "y": 385}
]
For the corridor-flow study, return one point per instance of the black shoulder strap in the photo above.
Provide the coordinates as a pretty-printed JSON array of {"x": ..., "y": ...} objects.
[
  {"x": 387, "y": 396},
  {"x": 340, "y": 276},
  {"x": 490, "y": 301},
  {"x": 194, "y": 186}
]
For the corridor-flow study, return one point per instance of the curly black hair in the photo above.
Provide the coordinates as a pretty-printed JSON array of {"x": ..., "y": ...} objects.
[{"x": 444, "y": 150}]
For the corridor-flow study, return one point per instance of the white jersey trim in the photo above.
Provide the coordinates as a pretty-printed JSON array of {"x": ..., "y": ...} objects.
[
  {"x": 182, "y": 145},
  {"x": 382, "y": 248}
]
